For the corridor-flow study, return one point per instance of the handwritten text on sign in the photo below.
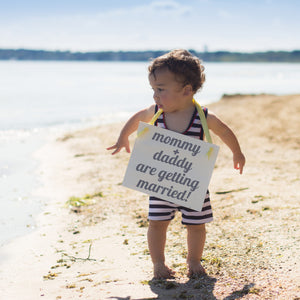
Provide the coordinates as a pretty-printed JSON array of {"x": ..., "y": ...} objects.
[{"x": 171, "y": 166}]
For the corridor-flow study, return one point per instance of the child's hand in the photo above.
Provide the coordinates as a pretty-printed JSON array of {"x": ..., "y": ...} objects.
[
  {"x": 119, "y": 145},
  {"x": 239, "y": 161}
]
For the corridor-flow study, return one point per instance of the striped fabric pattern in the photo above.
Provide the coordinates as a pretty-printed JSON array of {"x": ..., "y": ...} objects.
[
  {"x": 162, "y": 210},
  {"x": 194, "y": 129}
]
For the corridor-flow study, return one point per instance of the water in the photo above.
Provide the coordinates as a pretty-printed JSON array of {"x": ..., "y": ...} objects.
[
  {"x": 43, "y": 94},
  {"x": 250, "y": 78},
  {"x": 18, "y": 205},
  {"x": 38, "y": 99}
]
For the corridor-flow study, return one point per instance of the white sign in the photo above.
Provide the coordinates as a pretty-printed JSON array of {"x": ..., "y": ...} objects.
[{"x": 171, "y": 166}]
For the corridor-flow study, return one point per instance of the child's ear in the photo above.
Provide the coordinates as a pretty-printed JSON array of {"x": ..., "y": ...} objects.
[{"x": 188, "y": 90}]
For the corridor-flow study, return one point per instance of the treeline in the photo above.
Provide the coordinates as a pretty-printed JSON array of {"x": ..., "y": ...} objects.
[{"x": 218, "y": 56}]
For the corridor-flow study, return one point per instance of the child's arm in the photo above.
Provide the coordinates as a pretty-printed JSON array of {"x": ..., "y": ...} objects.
[
  {"x": 131, "y": 125},
  {"x": 229, "y": 138}
]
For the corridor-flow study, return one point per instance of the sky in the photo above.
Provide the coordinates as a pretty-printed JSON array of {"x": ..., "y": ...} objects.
[{"x": 104, "y": 25}]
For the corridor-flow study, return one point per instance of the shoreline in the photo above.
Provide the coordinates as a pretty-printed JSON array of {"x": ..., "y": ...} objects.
[
  {"x": 101, "y": 251},
  {"x": 19, "y": 175},
  {"x": 18, "y": 180}
]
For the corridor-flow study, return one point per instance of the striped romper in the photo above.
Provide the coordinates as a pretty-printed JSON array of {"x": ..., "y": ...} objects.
[{"x": 162, "y": 210}]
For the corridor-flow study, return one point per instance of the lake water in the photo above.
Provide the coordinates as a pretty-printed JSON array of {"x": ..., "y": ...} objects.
[{"x": 39, "y": 99}]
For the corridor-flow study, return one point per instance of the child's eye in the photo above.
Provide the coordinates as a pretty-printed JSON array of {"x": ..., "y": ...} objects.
[{"x": 157, "y": 90}]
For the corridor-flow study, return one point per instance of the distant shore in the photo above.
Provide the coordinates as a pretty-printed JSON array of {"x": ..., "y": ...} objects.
[
  {"x": 98, "y": 249},
  {"x": 217, "y": 56}
]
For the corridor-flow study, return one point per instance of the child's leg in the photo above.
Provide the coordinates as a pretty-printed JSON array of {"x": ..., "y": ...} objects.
[
  {"x": 157, "y": 234},
  {"x": 195, "y": 240}
]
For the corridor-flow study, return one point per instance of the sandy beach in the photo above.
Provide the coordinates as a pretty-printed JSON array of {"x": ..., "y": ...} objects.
[{"x": 99, "y": 250}]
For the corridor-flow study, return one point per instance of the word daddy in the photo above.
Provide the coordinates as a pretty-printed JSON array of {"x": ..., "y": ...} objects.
[{"x": 166, "y": 139}]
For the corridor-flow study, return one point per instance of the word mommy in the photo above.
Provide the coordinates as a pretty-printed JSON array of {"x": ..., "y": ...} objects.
[{"x": 175, "y": 142}]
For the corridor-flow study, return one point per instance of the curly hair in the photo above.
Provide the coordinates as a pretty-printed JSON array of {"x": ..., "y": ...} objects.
[{"x": 186, "y": 67}]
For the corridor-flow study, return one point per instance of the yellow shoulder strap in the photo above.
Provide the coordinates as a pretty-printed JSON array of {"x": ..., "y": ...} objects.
[
  {"x": 155, "y": 117},
  {"x": 203, "y": 121}
]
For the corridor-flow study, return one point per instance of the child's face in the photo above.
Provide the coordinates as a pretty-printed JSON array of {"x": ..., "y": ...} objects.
[{"x": 169, "y": 93}]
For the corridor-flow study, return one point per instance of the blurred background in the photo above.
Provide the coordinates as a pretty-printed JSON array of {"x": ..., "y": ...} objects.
[{"x": 66, "y": 65}]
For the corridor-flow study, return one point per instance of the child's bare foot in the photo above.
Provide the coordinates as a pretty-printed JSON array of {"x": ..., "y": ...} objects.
[
  {"x": 161, "y": 271},
  {"x": 195, "y": 270}
]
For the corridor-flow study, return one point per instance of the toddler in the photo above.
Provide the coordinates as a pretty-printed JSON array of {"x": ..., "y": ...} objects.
[{"x": 175, "y": 77}]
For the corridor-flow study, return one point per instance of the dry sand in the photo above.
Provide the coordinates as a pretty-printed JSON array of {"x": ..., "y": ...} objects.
[{"x": 100, "y": 251}]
